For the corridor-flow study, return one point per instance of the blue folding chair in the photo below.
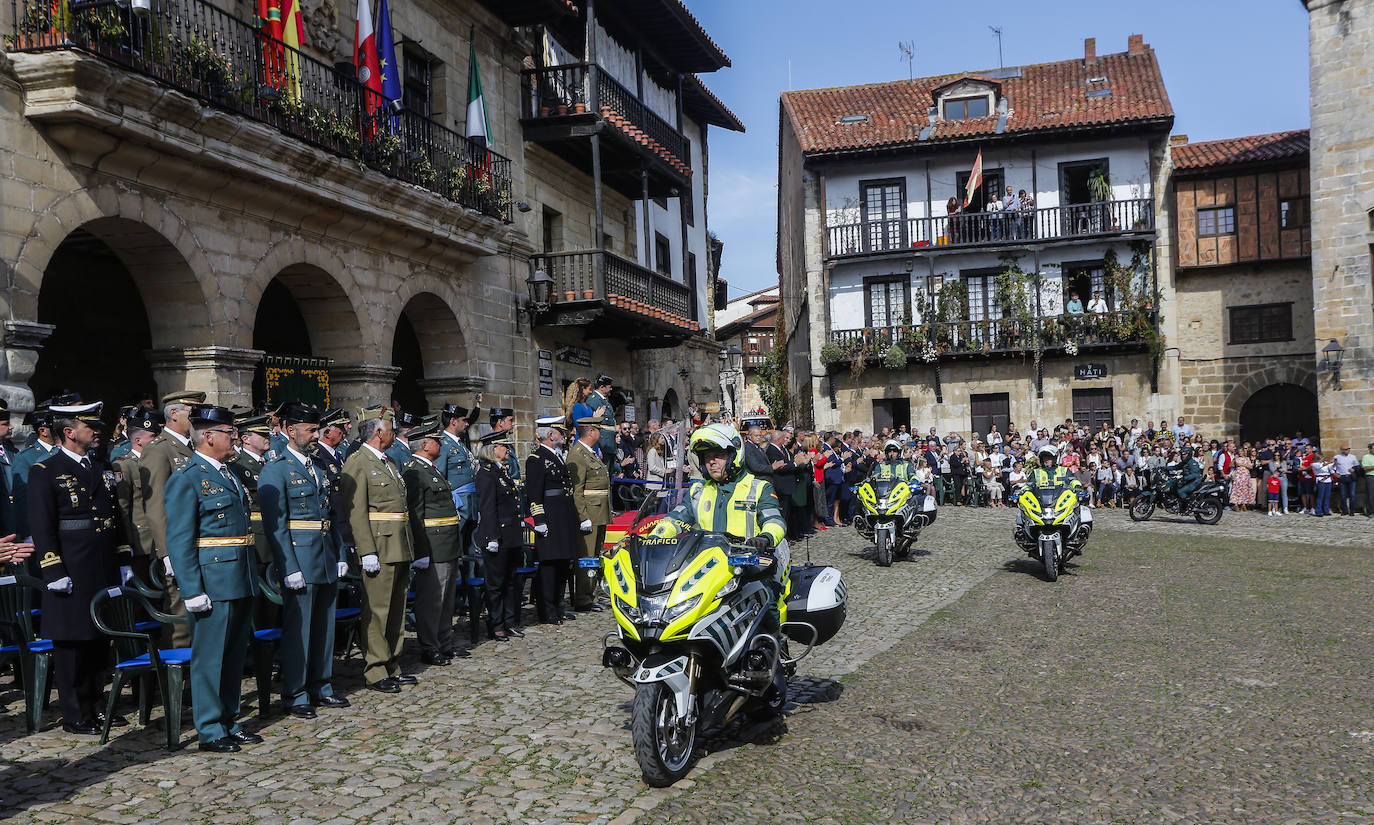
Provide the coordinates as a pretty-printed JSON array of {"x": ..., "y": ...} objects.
[
  {"x": 17, "y": 640},
  {"x": 114, "y": 614}
]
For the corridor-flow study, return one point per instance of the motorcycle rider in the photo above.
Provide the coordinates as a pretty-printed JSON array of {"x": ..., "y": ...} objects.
[
  {"x": 732, "y": 501},
  {"x": 1191, "y": 479},
  {"x": 1047, "y": 475},
  {"x": 893, "y": 466}
]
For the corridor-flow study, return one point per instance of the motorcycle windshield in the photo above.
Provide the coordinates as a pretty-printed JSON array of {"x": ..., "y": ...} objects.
[
  {"x": 883, "y": 487},
  {"x": 657, "y": 561}
]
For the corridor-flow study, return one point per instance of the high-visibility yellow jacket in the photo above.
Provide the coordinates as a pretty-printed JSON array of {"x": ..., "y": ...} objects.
[
  {"x": 1040, "y": 477},
  {"x": 899, "y": 469},
  {"x": 730, "y": 508}
]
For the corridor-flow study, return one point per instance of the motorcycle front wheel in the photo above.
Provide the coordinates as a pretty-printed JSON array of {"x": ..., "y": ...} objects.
[
  {"x": 1142, "y": 508},
  {"x": 662, "y": 747},
  {"x": 1047, "y": 555},
  {"x": 1208, "y": 512},
  {"x": 883, "y": 549}
]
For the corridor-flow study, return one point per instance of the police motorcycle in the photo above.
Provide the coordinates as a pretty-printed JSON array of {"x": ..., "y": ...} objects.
[
  {"x": 893, "y": 511},
  {"x": 1205, "y": 504},
  {"x": 699, "y": 636},
  {"x": 1053, "y": 525}
]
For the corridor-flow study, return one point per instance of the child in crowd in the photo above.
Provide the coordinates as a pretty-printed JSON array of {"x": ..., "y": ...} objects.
[{"x": 1273, "y": 487}]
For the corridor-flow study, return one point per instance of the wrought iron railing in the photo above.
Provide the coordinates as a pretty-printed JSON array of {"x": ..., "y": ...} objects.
[
  {"x": 993, "y": 228},
  {"x": 998, "y": 335},
  {"x": 559, "y": 91},
  {"x": 595, "y": 275},
  {"x": 202, "y": 50}
]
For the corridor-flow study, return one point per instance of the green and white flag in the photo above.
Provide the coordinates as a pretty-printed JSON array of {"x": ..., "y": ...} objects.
[{"x": 479, "y": 128}]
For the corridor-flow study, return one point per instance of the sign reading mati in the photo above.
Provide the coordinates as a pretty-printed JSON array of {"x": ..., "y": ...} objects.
[{"x": 1087, "y": 372}]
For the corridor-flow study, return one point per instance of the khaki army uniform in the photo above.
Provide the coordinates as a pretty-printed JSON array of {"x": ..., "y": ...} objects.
[{"x": 591, "y": 488}]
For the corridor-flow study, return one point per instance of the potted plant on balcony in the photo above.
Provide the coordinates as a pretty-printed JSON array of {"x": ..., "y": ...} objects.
[
  {"x": 894, "y": 357},
  {"x": 831, "y": 354}
]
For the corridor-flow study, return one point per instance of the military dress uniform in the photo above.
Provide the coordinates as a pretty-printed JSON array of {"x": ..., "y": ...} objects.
[
  {"x": 130, "y": 496},
  {"x": 294, "y": 494},
  {"x": 399, "y": 451},
  {"x": 79, "y": 540},
  {"x": 591, "y": 488},
  {"x": 459, "y": 468},
  {"x": 501, "y": 535},
  {"x": 210, "y": 543},
  {"x": 549, "y": 487},
  {"x": 375, "y": 500},
  {"x": 7, "y": 519},
  {"x": 247, "y": 469},
  {"x": 434, "y": 524},
  {"x": 19, "y": 476},
  {"x": 163, "y": 455}
]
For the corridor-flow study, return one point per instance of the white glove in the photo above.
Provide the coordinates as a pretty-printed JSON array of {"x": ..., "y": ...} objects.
[
  {"x": 541, "y": 529},
  {"x": 371, "y": 564},
  {"x": 295, "y": 581},
  {"x": 198, "y": 604},
  {"x": 492, "y": 547},
  {"x": 421, "y": 563},
  {"x": 62, "y": 585},
  {"x": 125, "y": 573},
  {"x": 586, "y": 525},
  {"x": 343, "y": 569},
  {"x": 167, "y": 565}
]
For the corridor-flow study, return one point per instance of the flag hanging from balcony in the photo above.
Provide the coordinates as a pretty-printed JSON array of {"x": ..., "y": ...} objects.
[
  {"x": 386, "y": 62},
  {"x": 293, "y": 35},
  {"x": 479, "y": 128},
  {"x": 365, "y": 61},
  {"x": 975, "y": 179}
]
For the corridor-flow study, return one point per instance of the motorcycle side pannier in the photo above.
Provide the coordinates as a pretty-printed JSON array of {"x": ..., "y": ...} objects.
[{"x": 819, "y": 597}]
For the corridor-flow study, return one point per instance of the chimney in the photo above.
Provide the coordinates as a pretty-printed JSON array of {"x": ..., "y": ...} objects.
[
  {"x": 1090, "y": 51},
  {"x": 1177, "y": 140},
  {"x": 1135, "y": 44}
]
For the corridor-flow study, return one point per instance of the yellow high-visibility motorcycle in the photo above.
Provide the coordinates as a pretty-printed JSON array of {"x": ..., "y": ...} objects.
[
  {"x": 1052, "y": 524},
  {"x": 701, "y": 634},
  {"x": 892, "y": 513}
]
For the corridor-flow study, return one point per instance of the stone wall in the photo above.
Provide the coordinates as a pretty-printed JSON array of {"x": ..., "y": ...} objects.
[
  {"x": 1342, "y": 83},
  {"x": 1128, "y": 377}
]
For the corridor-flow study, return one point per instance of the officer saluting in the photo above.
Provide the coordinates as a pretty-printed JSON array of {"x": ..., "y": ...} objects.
[
  {"x": 294, "y": 493},
  {"x": 556, "y": 541},
  {"x": 210, "y": 547},
  {"x": 79, "y": 541}
]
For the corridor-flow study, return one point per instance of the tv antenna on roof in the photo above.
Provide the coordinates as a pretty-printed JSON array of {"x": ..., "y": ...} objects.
[
  {"x": 908, "y": 50},
  {"x": 997, "y": 30}
]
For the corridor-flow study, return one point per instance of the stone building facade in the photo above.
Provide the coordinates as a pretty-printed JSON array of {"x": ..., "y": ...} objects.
[
  {"x": 1341, "y": 40},
  {"x": 909, "y": 301},
  {"x": 1242, "y": 277},
  {"x": 176, "y": 207}
]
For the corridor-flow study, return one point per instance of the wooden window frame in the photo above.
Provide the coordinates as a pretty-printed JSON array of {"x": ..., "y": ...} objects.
[
  {"x": 663, "y": 264},
  {"x": 1306, "y": 205},
  {"x": 1216, "y": 209},
  {"x": 965, "y": 100},
  {"x": 1261, "y": 323},
  {"x": 875, "y": 280}
]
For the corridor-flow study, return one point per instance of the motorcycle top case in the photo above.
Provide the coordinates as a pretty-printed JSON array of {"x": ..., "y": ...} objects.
[{"x": 819, "y": 598}]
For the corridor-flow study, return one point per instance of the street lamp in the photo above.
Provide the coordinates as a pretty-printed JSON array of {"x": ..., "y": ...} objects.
[
  {"x": 540, "y": 287},
  {"x": 1332, "y": 355}
]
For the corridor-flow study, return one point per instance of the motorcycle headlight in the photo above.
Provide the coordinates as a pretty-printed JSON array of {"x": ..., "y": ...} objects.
[
  {"x": 730, "y": 587},
  {"x": 681, "y": 608},
  {"x": 630, "y": 612}
]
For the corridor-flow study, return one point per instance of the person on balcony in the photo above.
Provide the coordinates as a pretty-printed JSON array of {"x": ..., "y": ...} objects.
[
  {"x": 1011, "y": 221},
  {"x": 1074, "y": 306},
  {"x": 1098, "y": 304},
  {"x": 1026, "y": 207}
]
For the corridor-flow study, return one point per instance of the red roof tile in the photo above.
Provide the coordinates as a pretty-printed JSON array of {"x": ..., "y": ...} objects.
[
  {"x": 1044, "y": 97},
  {"x": 1232, "y": 151}
]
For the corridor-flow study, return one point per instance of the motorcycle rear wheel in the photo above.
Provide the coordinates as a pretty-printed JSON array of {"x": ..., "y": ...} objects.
[
  {"x": 663, "y": 750},
  {"x": 1208, "y": 512},
  {"x": 1142, "y": 508}
]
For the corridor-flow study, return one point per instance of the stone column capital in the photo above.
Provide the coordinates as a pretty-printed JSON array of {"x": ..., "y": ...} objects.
[
  {"x": 26, "y": 334},
  {"x": 453, "y": 385},
  {"x": 371, "y": 373},
  {"x": 204, "y": 358}
]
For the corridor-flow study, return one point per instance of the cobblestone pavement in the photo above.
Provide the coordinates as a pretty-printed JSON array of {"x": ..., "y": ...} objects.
[
  {"x": 534, "y": 731},
  {"x": 1216, "y": 679}
]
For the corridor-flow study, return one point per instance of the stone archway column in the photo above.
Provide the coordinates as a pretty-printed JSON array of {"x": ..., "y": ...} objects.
[
  {"x": 22, "y": 340},
  {"x": 361, "y": 385},
  {"x": 457, "y": 389},
  {"x": 225, "y": 374}
]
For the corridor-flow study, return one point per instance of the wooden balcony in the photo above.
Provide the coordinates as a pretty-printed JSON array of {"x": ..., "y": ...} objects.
[
  {"x": 1122, "y": 331},
  {"x": 1021, "y": 228},
  {"x": 614, "y": 297},
  {"x": 563, "y": 106}
]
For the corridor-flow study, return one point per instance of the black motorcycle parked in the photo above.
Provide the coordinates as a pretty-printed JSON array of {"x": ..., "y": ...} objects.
[{"x": 1205, "y": 504}]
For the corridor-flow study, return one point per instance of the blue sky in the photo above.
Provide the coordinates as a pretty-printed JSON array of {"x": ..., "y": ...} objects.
[{"x": 1231, "y": 67}]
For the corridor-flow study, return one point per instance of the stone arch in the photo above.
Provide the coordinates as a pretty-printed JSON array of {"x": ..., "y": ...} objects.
[
  {"x": 328, "y": 296},
  {"x": 169, "y": 268},
  {"x": 443, "y": 347},
  {"x": 671, "y": 407},
  {"x": 1282, "y": 372}
]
